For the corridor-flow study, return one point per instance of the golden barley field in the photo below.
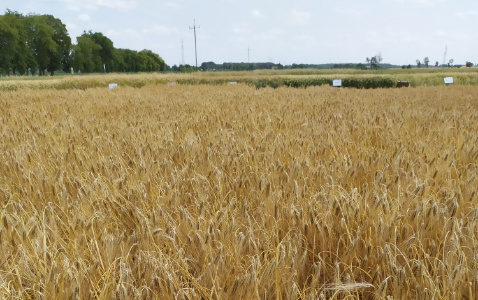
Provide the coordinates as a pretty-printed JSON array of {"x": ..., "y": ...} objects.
[{"x": 232, "y": 192}]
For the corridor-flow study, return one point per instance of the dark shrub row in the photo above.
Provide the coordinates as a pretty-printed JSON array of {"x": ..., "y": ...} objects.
[
  {"x": 359, "y": 83},
  {"x": 272, "y": 82}
]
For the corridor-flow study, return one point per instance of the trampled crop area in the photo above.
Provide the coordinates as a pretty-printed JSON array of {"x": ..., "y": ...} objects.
[{"x": 233, "y": 192}]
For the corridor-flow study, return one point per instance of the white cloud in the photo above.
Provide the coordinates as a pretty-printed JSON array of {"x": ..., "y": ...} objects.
[
  {"x": 240, "y": 30},
  {"x": 130, "y": 31},
  {"x": 430, "y": 2},
  {"x": 441, "y": 33},
  {"x": 305, "y": 38},
  {"x": 122, "y": 5},
  {"x": 409, "y": 37},
  {"x": 299, "y": 17},
  {"x": 453, "y": 35},
  {"x": 257, "y": 14},
  {"x": 423, "y": 2},
  {"x": 270, "y": 35},
  {"x": 465, "y": 14},
  {"x": 71, "y": 26},
  {"x": 159, "y": 29},
  {"x": 172, "y": 4},
  {"x": 84, "y": 17},
  {"x": 116, "y": 4},
  {"x": 351, "y": 12},
  {"x": 113, "y": 33}
]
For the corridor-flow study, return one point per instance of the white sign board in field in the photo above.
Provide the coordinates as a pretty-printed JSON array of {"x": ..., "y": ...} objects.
[
  {"x": 448, "y": 79},
  {"x": 113, "y": 85},
  {"x": 337, "y": 82}
]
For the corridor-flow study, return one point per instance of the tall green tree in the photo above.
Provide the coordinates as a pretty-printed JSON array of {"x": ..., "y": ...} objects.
[
  {"x": 40, "y": 39},
  {"x": 152, "y": 62},
  {"x": 119, "y": 64},
  {"x": 85, "y": 55},
  {"x": 374, "y": 61},
  {"x": 132, "y": 60},
  {"x": 8, "y": 38},
  {"x": 15, "y": 55},
  {"x": 41, "y": 42},
  {"x": 49, "y": 42},
  {"x": 59, "y": 59},
  {"x": 106, "y": 52}
]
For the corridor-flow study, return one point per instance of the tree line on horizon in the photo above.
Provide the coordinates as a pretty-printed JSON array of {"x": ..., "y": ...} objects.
[
  {"x": 41, "y": 43},
  {"x": 371, "y": 63},
  {"x": 243, "y": 66}
]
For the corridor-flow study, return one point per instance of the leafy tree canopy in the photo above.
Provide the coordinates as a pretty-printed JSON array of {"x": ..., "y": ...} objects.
[{"x": 41, "y": 43}]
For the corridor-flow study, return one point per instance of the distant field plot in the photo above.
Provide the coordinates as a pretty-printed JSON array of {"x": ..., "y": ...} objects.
[
  {"x": 231, "y": 192},
  {"x": 300, "y": 78}
]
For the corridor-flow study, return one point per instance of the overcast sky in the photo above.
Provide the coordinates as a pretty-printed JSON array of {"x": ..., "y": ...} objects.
[{"x": 279, "y": 31}]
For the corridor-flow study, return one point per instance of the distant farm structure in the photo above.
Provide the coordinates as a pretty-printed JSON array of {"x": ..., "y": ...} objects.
[{"x": 403, "y": 84}]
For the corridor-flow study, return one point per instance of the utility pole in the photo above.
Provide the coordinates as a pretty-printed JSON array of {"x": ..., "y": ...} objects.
[
  {"x": 182, "y": 52},
  {"x": 444, "y": 55},
  {"x": 195, "y": 47},
  {"x": 248, "y": 50}
]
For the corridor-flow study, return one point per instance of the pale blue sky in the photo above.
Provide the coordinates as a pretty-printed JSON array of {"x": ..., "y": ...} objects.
[{"x": 300, "y": 31}]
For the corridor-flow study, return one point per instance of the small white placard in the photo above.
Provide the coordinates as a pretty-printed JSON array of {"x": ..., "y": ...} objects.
[
  {"x": 337, "y": 82},
  {"x": 448, "y": 79},
  {"x": 172, "y": 83},
  {"x": 232, "y": 82},
  {"x": 113, "y": 85}
]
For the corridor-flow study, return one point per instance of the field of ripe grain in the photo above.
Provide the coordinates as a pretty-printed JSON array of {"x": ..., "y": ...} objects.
[
  {"x": 229, "y": 192},
  {"x": 300, "y": 78}
]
